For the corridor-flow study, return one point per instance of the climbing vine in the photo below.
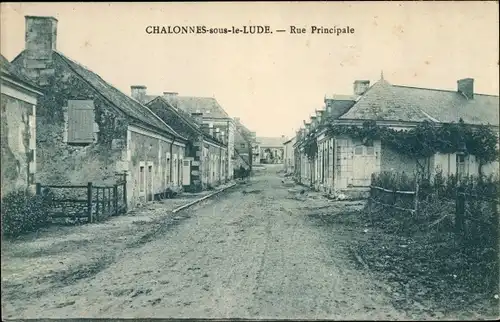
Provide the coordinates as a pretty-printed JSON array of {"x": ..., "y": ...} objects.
[
  {"x": 426, "y": 139},
  {"x": 311, "y": 145}
]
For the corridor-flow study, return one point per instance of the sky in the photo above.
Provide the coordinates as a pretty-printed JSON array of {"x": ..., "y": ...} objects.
[{"x": 272, "y": 82}]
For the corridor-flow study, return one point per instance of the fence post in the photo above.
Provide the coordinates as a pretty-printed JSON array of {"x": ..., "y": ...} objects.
[
  {"x": 97, "y": 203},
  {"x": 460, "y": 213},
  {"x": 115, "y": 199},
  {"x": 89, "y": 201},
  {"x": 416, "y": 198},
  {"x": 38, "y": 189},
  {"x": 370, "y": 205},
  {"x": 103, "y": 201},
  {"x": 109, "y": 201}
]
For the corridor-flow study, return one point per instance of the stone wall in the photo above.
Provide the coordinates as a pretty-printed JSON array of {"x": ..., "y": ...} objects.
[
  {"x": 18, "y": 149},
  {"x": 161, "y": 164},
  {"x": 59, "y": 162}
]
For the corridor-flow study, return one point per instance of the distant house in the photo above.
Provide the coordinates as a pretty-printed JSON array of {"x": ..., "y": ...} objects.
[
  {"x": 19, "y": 98},
  {"x": 346, "y": 164},
  {"x": 289, "y": 161},
  {"x": 89, "y": 131},
  {"x": 205, "y": 160},
  {"x": 271, "y": 149}
]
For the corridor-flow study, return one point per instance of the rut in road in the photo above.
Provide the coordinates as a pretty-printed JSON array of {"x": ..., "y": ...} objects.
[{"x": 247, "y": 255}]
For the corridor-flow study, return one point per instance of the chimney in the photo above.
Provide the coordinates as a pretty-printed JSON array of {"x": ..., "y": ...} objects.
[
  {"x": 361, "y": 86},
  {"x": 138, "y": 93},
  {"x": 313, "y": 121},
  {"x": 466, "y": 87},
  {"x": 198, "y": 118},
  {"x": 171, "y": 97},
  {"x": 40, "y": 42},
  {"x": 319, "y": 115}
]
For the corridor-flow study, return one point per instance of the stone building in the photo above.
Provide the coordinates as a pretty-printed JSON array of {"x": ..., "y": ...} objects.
[
  {"x": 205, "y": 160},
  {"x": 89, "y": 131},
  {"x": 289, "y": 160},
  {"x": 271, "y": 149},
  {"x": 214, "y": 116},
  {"x": 343, "y": 163},
  {"x": 19, "y": 98}
]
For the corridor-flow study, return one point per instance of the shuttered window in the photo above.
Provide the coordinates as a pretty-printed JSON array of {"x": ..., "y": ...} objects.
[{"x": 80, "y": 121}]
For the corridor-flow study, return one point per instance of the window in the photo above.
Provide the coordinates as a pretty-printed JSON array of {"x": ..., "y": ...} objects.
[
  {"x": 141, "y": 179},
  {"x": 81, "y": 119},
  {"x": 370, "y": 150},
  {"x": 358, "y": 150},
  {"x": 167, "y": 170},
  {"x": 242, "y": 145},
  {"x": 460, "y": 164}
]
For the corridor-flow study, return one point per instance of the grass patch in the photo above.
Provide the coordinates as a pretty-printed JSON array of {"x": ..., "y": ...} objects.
[{"x": 425, "y": 264}]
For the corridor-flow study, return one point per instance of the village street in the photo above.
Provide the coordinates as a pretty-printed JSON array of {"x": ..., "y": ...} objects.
[{"x": 250, "y": 252}]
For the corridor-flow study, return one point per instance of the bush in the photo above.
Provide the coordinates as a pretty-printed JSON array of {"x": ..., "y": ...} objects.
[
  {"x": 394, "y": 181},
  {"x": 23, "y": 212}
]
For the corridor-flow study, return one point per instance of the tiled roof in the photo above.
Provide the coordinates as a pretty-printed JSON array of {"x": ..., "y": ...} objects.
[
  {"x": 180, "y": 121},
  {"x": 384, "y": 101},
  {"x": 206, "y": 105},
  {"x": 271, "y": 141},
  {"x": 244, "y": 132},
  {"x": 125, "y": 103},
  {"x": 13, "y": 72}
]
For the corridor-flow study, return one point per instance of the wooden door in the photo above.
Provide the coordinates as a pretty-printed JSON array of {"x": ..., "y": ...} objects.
[{"x": 363, "y": 165}]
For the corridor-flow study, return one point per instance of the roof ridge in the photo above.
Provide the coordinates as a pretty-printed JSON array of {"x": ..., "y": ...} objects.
[
  {"x": 64, "y": 57},
  {"x": 180, "y": 113},
  {"x": 438, "y": 89}
]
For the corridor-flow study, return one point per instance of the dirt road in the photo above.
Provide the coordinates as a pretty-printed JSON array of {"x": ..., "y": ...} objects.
[{"x": 251, "y": 253}]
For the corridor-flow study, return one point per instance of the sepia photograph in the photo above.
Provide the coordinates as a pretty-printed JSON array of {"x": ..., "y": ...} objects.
[{"x": 319, "y": 160}]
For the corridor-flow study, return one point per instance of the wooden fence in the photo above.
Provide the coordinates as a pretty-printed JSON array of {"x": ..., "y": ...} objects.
[
  {"x": 410, "y": 200},
  {"x": 91, "y": 202}
]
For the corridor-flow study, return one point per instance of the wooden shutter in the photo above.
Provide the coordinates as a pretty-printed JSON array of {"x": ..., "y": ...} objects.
[{"x": 80, "y": 121}]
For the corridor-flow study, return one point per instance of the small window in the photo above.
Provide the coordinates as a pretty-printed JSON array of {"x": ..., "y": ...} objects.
[
  {"x": 370, "y": 150},
  {"x": 186, "y": 163},
  {"x": 358, "y": 150}
]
